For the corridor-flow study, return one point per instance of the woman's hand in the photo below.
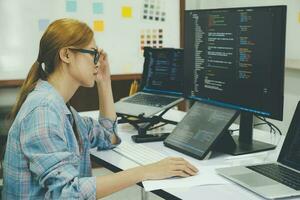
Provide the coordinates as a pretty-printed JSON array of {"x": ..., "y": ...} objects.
[
  {"x": 169, "y": 167},
  {"x": 103, "y": 75}
]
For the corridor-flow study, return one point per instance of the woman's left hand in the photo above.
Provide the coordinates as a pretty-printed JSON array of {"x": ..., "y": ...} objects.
[{"x": 103, "y": 75}]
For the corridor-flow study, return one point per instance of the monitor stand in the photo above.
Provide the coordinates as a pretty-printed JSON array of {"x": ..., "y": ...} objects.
[
  {"x": 142, "y": 125},
  {"x": 244, "y": 143}
]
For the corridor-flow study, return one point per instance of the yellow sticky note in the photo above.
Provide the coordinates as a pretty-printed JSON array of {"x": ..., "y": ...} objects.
[
  {"x": 99, "y": 25},
  {"x": 126, "y": 11},
  {"x": 127, "y": 68},
  {"x": 298, "y": 17}
]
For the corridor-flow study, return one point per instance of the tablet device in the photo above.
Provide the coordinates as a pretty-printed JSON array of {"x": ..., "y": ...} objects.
[{"x": 200, "y": 129}]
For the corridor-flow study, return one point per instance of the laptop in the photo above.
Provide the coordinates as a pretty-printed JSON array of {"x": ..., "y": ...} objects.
[
  {"x": 161, "y": 84},
  {"x": 273, "y": 180}
]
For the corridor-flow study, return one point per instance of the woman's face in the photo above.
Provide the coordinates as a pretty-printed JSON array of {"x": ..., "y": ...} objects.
[{"x": 83, "y": 69}]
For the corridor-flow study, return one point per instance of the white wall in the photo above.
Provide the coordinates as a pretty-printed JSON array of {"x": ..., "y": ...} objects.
[
  {"x": 292, "y": 76},
  {"x": 192, "y": 4}
]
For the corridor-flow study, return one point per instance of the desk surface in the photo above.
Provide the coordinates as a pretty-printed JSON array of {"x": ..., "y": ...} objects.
[{"x": 232, "y": 191}]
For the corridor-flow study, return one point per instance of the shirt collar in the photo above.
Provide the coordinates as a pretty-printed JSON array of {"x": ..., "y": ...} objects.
[{"x": 46, "y": 86}]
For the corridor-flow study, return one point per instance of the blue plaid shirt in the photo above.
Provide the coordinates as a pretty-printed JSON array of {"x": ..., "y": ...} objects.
[{"x": 42, "y": 159}]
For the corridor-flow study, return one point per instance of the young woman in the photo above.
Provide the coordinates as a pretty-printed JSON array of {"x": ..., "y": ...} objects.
[{"x": 47, "y": 153}]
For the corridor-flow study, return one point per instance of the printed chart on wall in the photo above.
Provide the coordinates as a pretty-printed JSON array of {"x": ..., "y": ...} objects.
[{"x": 122, "y": 29}]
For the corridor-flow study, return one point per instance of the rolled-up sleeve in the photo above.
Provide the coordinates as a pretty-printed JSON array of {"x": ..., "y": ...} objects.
[
  {"x": 100, "y": 132},
  {"x": 56, "y": 169}
]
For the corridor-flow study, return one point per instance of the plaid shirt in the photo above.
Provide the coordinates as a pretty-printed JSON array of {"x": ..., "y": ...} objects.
[{"x": 42, "y": 159}]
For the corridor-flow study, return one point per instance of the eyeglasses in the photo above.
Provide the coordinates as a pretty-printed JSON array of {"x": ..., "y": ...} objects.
[{"x": 93, "y": 52}]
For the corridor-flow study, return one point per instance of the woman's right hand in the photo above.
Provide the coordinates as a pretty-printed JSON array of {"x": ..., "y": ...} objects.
[{"x": 169, "y": 167}]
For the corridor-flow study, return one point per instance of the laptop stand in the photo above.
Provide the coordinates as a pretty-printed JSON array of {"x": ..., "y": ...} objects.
[{"x": 143, "y": 124}]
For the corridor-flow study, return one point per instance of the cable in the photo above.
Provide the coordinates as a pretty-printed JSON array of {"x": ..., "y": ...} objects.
[
  {"x": 264, "y": 123},
  {"x": 272, "y": 130},
  {"x": 270, "y": 124},
  {"x": 234, "y": 130}
]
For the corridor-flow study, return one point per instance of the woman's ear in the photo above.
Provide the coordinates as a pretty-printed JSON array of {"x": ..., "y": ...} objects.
[{"x": 64, "y": 55}]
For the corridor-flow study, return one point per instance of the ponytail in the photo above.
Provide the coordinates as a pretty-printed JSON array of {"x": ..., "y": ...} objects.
[{"x": 29, "y": 84}]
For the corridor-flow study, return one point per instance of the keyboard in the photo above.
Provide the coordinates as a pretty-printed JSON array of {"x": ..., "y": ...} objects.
[
  {"x": 279, "y": 173},
  {"x": 138, "y": 153},
  {"x": 151, "y": 100}
]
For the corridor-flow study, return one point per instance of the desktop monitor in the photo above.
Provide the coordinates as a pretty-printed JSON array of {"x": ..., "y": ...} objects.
[{"x": 234, "y": 58}]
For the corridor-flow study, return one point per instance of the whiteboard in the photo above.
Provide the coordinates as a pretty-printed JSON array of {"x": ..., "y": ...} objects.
[
  {"x": 23, "y": 23},
  {"x": 293, "y": 22}
]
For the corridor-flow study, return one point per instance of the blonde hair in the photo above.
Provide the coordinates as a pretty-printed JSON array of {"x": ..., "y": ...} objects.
[{"x": 60, "y": 33}]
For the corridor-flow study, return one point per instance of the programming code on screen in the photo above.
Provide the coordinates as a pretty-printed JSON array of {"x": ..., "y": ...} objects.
[
  {"x": 230, "y": 57},
  {"x": 164, "y": 70}
]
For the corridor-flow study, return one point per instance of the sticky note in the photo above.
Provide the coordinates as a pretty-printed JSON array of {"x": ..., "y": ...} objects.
[
  {"x": 71, "y": 6},
  {"x": 43, "y": 24},
  {"x": 126, "y": 11},
  {"x": 127, "y": 68},
  {"x": 299, "y": 17},
  {"x": 98, "y": 8},
  {"x": 99, "y": 25}
]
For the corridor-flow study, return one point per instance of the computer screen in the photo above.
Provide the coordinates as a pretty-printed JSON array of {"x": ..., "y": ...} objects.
[
  {"x": 200, "y": 129},
  {"x": 163, "y": 70},
  {"x": 234, "y": 57},
  {"x": 290, "y": 151}
]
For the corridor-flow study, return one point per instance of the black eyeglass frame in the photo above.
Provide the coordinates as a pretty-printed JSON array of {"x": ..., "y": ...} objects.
[{"x": 93, "y": 52}]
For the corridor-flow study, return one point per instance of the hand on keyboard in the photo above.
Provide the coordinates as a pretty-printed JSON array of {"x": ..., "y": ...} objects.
[{"x": 169, "y": 167}]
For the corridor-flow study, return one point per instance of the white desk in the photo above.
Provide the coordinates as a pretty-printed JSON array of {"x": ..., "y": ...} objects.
[{"x": 115, "y": 162}]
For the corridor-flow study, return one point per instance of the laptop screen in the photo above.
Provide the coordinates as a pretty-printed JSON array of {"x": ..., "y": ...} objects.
[
  {"x": 163, "y": 71},
  {"x": 290, "y": 152}
]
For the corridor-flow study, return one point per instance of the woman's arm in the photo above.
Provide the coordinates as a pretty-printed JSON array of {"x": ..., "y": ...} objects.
[
  {"x": 165, "y": 168},
  {"x": 106, "y": 104},
  {"x": 106, "y": 100}
]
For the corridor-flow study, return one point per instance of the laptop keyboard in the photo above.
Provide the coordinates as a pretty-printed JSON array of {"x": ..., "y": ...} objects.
[
  {"x": 151, "y": 100},
  {"x": 279, "y": 173}
]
